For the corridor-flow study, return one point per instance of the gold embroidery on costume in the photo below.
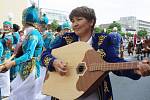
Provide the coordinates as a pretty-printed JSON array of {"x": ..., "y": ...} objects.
[
  {"x": 101, "y": 53},
  {"x": 106, "y": 87},
  {"x": 69, "y": 39},
  {"x": 47, "y": 60},
  {"x": 27, "y": 68},
  {"x": 100, "y": 39}
]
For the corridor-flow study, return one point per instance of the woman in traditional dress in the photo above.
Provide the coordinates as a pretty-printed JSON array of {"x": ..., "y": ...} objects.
[{"x": 24, "y": 86}]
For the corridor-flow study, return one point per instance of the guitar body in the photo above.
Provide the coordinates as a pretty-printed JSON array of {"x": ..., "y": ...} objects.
[{"x": 79, "y": 80}]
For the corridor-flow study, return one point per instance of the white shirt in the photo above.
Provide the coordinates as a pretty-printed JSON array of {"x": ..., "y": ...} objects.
[{"x": 89, "y": 41}]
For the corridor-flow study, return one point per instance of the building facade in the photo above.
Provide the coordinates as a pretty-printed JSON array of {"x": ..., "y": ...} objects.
[
  {"x": 131, "y": 23},
  {"x": 52, "y": 14},
  {"x": 143, "y": 25}
]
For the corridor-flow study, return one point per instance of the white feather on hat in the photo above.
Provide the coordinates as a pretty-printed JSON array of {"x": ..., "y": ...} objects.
[{"x": 33, "y": 3}]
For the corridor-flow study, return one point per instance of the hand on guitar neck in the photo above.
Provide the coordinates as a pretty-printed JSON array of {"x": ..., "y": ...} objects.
[{"x": 143, "y": 68}]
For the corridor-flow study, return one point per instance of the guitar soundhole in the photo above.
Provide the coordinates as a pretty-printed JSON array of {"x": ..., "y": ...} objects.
[{"x": 81, "y": 68}]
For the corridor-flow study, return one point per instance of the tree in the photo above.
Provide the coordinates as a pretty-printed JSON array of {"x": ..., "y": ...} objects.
[
  {"x": 54, "y": 25},
  {"x": 108, "y": 30},
  {"x": 115, "y": 24},
  {"x": 97, "y": 30},
  {"x": 129, "y": 34},
  {"x": 142, "y": 33},
  {"x": 122, "y": 33}
]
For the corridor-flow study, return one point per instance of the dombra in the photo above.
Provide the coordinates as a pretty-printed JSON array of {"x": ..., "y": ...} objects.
[{"x": 86, "y": 70}]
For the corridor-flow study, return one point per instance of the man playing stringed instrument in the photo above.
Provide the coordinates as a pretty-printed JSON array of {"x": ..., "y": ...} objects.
[{"x": 83, "y": 21}]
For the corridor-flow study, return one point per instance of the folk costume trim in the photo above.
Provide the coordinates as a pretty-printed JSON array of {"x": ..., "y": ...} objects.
[
  {"x": 27, "y": 68},
  {"x": 69, "y": 39}
]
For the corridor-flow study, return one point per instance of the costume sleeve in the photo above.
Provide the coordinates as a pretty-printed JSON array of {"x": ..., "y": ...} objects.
[
  {"x": 48, "y": 39},
  {"x": 1, "y": 52},
  {"x": 47, "y": 58},
  {"x": 1, "y": 49},
  {"x": 106, "y": 43},
  {"x": 29, "y": 50}
]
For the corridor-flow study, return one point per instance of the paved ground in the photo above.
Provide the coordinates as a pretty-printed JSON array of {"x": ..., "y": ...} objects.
[{"x": 127, "y": 89}]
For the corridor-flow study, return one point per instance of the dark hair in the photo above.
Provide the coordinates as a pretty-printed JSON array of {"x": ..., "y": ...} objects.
[
  {"x": 21, "y": 31},
  {"x": 16, "y": 27},
  {"x": 59, "y": 28},
  {"x": 85, "y": 12}
]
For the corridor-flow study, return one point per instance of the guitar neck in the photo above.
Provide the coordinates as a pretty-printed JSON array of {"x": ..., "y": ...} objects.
[{"x": 113, "y": 66}]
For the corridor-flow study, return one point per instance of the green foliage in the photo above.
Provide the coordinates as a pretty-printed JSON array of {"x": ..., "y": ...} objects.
[
  {"x": 97, "y": 30},
  {"x": 115, "y": 24},
  {"x": 129, "y": 34},
  {"x": 142, "y": 33},
  {"x": 122, "y": 33},
  {"x": 54, "y": 25},
  {"x": 108, "y": 30}
]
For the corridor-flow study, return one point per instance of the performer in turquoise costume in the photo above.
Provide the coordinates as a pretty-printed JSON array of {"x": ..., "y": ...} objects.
[
  {"x": 66, "y": 27},
  {"x": 16, "y": 38},
  {"x": 16, "y": 35},
  {"x": 1, "y": 52},
  {"x": 24, "y": 86},
  {"x": 1, "y": 58},
  {"x": 7, "y": 43},
  {"x": 47, "y": 36}
]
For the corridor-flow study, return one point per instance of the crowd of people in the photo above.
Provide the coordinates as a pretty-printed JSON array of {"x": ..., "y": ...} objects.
[
  {"x": 140, "y": 48},
  {"x": 26, "y": 54}
]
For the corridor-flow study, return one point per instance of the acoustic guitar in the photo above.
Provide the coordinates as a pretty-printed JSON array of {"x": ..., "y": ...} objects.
[{"x": 86, "y": 69}]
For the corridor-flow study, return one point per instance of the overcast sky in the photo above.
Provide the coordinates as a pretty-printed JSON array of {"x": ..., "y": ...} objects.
[{"x": 106, "y": 10}]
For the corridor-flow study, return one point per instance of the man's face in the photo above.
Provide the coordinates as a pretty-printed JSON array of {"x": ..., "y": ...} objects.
[
  {"x": 81, "y": 25},
  {"x": 6, "y": 27}
]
